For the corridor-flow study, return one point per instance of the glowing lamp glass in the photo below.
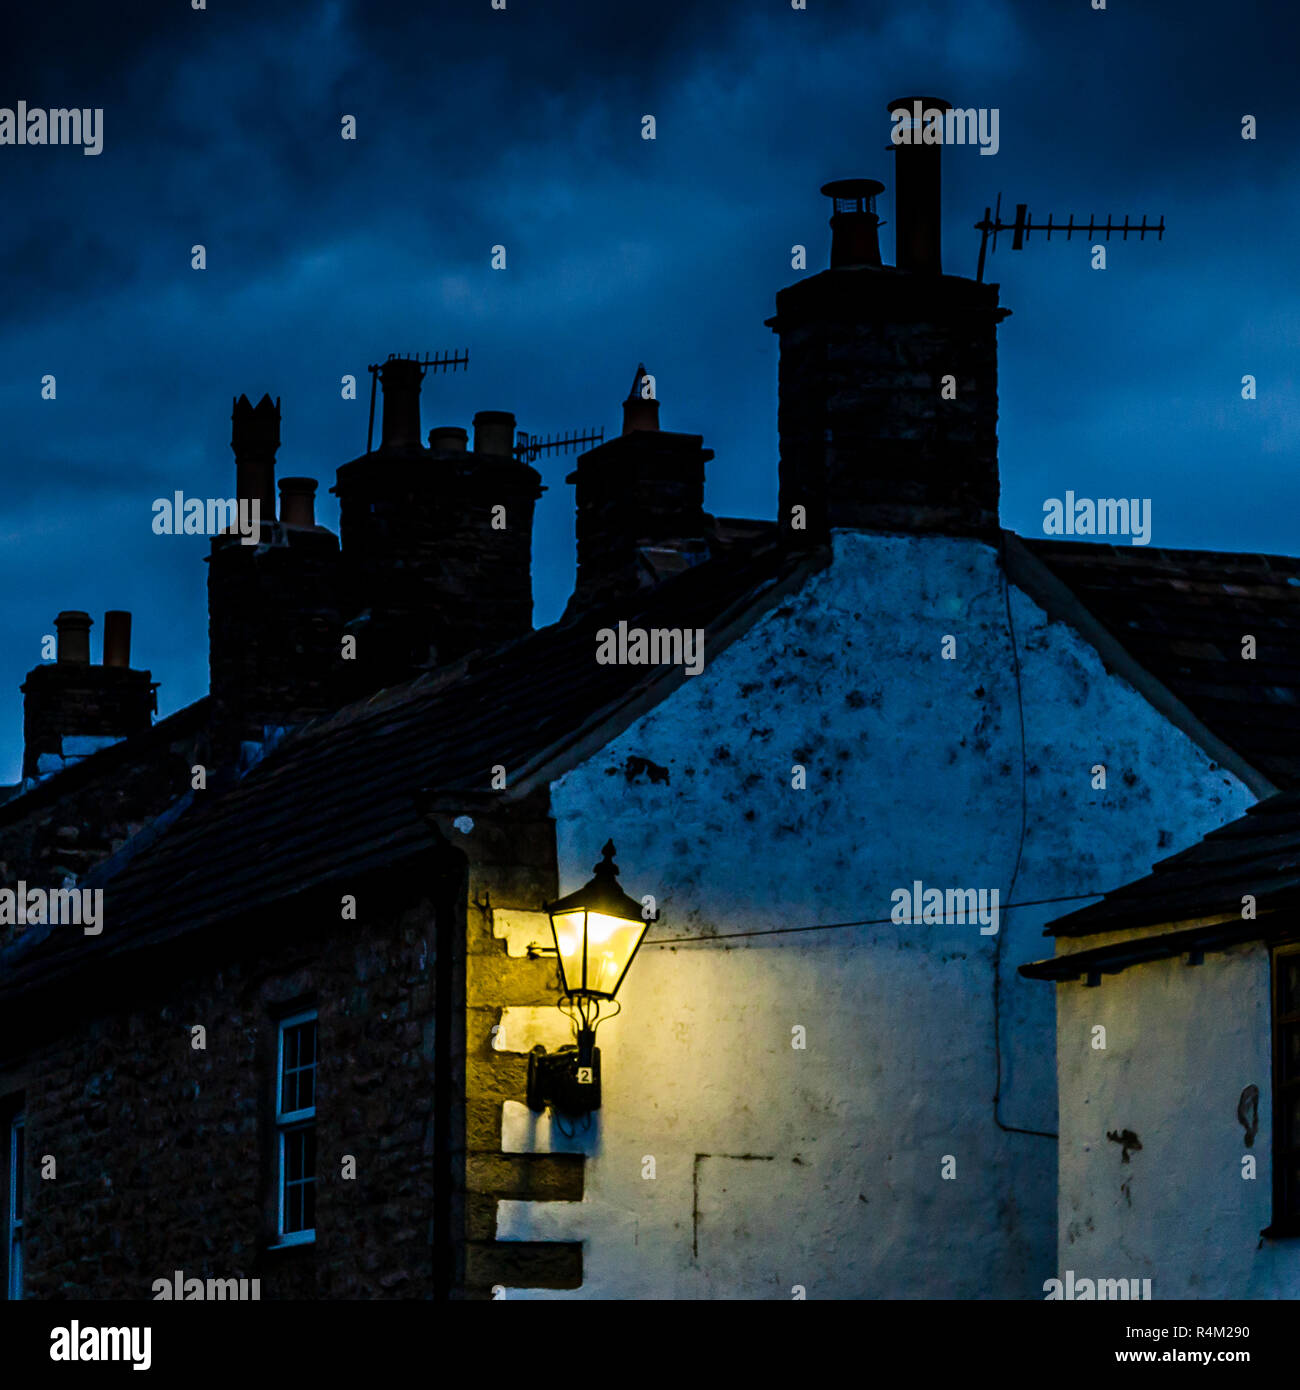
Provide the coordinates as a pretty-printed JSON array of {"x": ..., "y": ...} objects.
[{"x": 595, "y": 950}]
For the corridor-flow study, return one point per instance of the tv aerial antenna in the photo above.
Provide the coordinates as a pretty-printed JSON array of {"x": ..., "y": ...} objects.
[
  {"x": 1024, "y": 226},
  {"x": 531, "y": 446}
]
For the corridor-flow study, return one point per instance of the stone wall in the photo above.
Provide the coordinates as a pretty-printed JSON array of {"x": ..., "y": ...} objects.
[
  {"x": 510, "y": 854},
  {"x": 164, "y": 1153}
]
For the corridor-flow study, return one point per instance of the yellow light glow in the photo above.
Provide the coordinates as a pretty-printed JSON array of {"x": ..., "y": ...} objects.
[
  {"x": 611, "y": 943},
  {"x": 600, "y": 928},
  {"x": 608, "y": 975}
]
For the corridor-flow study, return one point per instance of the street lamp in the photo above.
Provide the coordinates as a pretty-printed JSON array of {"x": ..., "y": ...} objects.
[{"x": 597, "y": 931}]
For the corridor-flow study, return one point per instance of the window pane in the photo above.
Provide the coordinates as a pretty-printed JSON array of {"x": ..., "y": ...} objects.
[
  {"x": 298, "y": 1083},
  {"x": 307, "y": 1086},
  {"x": 299, "y": 1197},
  {"x": 293, "y": 1156}
]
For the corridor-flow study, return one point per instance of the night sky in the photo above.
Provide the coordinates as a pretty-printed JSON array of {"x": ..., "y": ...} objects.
[{"x": 523, "y": 127}]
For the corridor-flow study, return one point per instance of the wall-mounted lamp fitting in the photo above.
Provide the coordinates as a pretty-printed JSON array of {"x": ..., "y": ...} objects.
[{"x": 597, "y": 932}]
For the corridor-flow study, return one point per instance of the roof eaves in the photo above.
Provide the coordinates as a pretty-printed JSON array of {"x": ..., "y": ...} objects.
[
  {"x": 577, "y": 745},
  {"x": 1218, "y": 934},
  {"x": 20, "y": 975}
]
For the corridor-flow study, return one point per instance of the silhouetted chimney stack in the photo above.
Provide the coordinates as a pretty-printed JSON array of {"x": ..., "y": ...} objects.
[
  {"x": 640, "y": 502},
  {"x": 437, "y": 542},
  {"x": 888, "y": 393},
  {"x": 918, "y": 216},
  {"x": 254, "y": 438},
  {"x": 274, "y": 625},
  {"x": 71, "y": 708}
]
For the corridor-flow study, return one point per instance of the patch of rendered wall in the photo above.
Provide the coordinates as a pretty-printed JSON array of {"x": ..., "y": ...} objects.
[
  {"x": 1182, "y": 1044},
  {"x": 775, "y": 1166}
]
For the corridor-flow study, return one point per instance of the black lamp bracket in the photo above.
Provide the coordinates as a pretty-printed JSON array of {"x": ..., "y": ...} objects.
[{"x": 567, "y": 1080}]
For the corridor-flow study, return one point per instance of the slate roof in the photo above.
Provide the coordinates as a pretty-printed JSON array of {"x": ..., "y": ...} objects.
[
  {"x": 1257, "y": 854},
  {"x": 138, "y": 748},
  {"x": 338, "y": 796},
  {"x": 1182, "y": 615}
]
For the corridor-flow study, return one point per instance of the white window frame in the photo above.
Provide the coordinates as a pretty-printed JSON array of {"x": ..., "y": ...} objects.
[
  {"x": 291, "y": 1122},
  {"x": 13, "y": 1213}
]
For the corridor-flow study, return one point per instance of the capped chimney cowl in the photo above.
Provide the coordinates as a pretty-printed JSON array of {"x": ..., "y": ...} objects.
[{"x": 855, "y": 239}]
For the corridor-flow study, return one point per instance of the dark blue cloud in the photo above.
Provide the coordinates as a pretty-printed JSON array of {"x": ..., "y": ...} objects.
[{"x": 522, "y": 127}]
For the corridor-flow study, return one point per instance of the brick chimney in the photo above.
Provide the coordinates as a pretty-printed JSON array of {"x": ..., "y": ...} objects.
[
  {"x": 437, "y": 541},
  {"x": 71, "y": 707},
  {"x": 869, "y": 440},
  {"x": 640, "y": 501},
  {"x": 274, "y": 621}
]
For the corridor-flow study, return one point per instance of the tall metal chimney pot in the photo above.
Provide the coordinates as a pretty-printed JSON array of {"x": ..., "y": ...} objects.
[
  {"x": 918, "y": 218},
  {"x": 117, "y": 638}
]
